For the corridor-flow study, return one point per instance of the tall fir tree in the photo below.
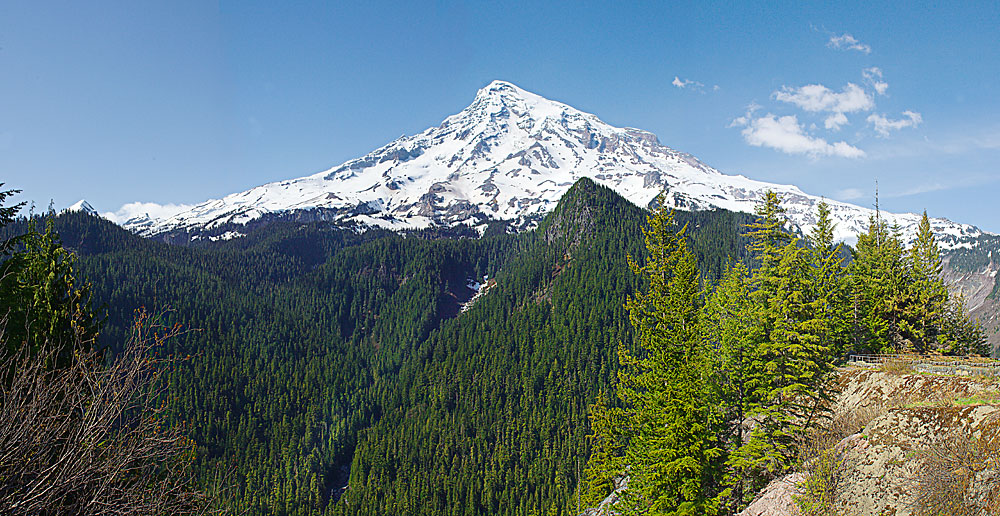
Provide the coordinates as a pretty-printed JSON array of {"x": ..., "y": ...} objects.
[
  {"x": 829, "y": 280},
  {"x": 734, "y": 334},
  {"x": 671, "y": 453},
  {"x": 925, "y": 298},
  {"x": 878, "y": 280},
  {"x": 787, "y": 380}
]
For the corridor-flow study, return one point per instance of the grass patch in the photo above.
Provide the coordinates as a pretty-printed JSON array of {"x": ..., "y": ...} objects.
[
  {"x": 899, "y": 367},
  {"x": 982, "y": 398},
  {"x": 989, "y": 397}
]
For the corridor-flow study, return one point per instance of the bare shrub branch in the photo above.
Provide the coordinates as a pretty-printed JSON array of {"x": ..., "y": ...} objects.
[
  {"x": 88, "y": 439},
  {"x": 961, "y": 476}
]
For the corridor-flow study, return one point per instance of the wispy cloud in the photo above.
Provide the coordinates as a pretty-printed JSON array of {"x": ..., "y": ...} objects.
[
  {"x": 692, "y": 85},
  {"x": 835, "y": 121},
  {"x": 967, "y": 143},
  {"x": 850, "y": 194},
  {"x": 873, "y": 76},
  {"x": 816, "y": 97},
  {"x": 848, "y": 42},
  {"x": 883, "y": 125},
  {"x": 921, "y": 189},
  {"x": 141, "y": 209},
  {"x": 927, "y": 186},
  {"x": 787, "y": 135}
]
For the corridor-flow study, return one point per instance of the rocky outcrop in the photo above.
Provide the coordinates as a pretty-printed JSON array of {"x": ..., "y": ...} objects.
[
  {"x": 605, "y": 508},
  {"x": 882, "y": 469},
  {"x": 778, "y": 498},
  {"x": 914, "y": 440}
]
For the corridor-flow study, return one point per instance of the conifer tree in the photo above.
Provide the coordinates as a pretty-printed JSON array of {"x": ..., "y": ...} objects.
[
  {"x": 7, "y": 214},
  {"x": 900, "y": 302},
  {"x": 673, "y": 452},
  {"x": 668, "y": 416},
  {"x": 829, "y": 280},
  {"x": 733, "y": 330},
  {"x": 46, "y": 304},
  {"x": 787, "y": 378},
  {"x": 607, "y": 457},
  {"x": 966, "y": 335},
  {"x": 877, "y": 285},
  {"x": 925, "y": 297}
]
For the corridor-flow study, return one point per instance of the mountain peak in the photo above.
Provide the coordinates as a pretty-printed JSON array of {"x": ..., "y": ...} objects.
[
  {"x": 498, "y": 87},
  {"x": 509, "y": 155},
  {"x": 84, "y": 206},
  {"x": 502, "y": 99}
]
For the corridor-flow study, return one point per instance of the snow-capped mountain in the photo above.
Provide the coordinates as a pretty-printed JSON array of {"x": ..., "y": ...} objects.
[
  {"x": 511, "y": 155},
  {"x": 84, "y": 206}
]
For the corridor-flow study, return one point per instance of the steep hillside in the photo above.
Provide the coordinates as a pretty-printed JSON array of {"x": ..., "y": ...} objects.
[
  {"x": 972, "y": 271},
  {"x": 323, "y": 358}
]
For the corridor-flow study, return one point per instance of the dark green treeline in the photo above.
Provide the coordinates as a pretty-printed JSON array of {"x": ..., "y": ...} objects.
[{"x": 319, "y": 358}]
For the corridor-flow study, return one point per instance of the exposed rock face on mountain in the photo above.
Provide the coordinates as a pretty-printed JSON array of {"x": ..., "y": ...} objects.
[
  {"x": 972, "y": 272},
  {"x": 778, "y": 498},
  {"x": 511, "y": 155}
]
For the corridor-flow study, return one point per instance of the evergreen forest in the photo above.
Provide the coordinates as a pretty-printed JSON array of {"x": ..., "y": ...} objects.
[{"x": 316, "y": 369}]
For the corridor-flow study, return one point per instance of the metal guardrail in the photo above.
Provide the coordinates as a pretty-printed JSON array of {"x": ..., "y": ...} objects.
[{"x": 931, "y": 364}]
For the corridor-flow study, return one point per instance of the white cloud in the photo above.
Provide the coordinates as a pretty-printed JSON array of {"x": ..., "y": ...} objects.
[
  {"x": 742, "y": 121},
  {"x": 787, "y": 135},
  {"x": 921, "y": 189},
  {"x": 952, "y": 183},
  {"x": 873, "y": 76},
  {"x": 140, "y": 209},
  {"x": 883, "y": 126},
  {"x": 835, "y": 121},
  {"x": 848, "y": 42},
  {"x": 688, "y": 84},
  {"x": 816, "y": 97},
  {"x": 850, "y": 194}
]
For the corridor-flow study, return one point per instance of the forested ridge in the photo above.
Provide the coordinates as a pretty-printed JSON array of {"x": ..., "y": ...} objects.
[
  {"x": 315, "y": 351},
  {"x": 729, "y": 388},
  {"x": 318, "y": 369}
]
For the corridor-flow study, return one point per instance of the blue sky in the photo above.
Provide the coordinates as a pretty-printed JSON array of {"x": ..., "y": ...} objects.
[{"x": 179, "y": 102}]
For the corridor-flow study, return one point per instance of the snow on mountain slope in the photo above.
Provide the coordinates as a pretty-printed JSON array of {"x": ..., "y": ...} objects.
[
  {"x": 84, "y": 206},
  {"x": 511, "y": 155}
]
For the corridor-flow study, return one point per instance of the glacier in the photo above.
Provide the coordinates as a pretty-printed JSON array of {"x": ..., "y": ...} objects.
[{"x": 511, "y": 155}]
